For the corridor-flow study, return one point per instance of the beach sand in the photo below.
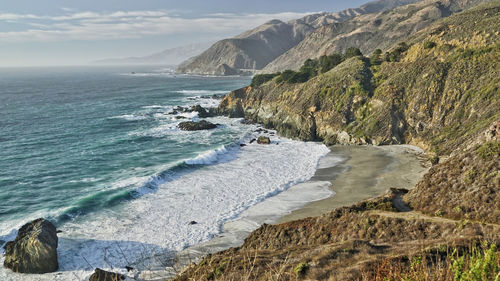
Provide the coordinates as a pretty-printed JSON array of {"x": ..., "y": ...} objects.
[{"x": 368, "y": 171}]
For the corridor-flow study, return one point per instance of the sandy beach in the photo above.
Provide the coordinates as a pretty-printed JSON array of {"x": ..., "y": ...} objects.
[{"x": 367, "y": 172}]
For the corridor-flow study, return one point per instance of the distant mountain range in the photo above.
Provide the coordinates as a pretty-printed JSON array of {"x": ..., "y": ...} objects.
[
  {"x": 256, "y": 48},
  {"x": 171, "y": 56}
]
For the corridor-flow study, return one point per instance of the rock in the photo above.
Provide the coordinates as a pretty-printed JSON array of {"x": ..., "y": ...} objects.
[
  {"x": 252, "y": 141},
  {"x": 202, "y": 112},
  {"x": 242, "y": 145},
  {"x": 101, "y": 275},
  {"x": 180, "y": 117},
  {"x": 263, "y": 140},
  {"x": 129, "y": 268},
  {"x": 196, "y": 126},
  {"x": 34, "y": 250},
  {"x": 193, "y": 222}
]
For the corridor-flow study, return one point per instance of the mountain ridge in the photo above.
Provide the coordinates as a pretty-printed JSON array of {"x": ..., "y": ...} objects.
[{"x": 255, "y": 48}]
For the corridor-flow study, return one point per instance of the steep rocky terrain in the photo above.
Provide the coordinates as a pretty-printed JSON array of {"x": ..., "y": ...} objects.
[
  {"x": 443, "y": 94},
  {"x": 369, "y": 32},
  {"x": 436, "y": 97},
  {"x": 255, "y": 48}
]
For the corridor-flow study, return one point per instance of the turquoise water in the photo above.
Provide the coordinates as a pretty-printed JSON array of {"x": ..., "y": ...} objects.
[{"x": 71, "y": 137}]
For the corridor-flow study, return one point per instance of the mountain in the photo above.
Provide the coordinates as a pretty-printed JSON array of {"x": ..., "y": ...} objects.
[
  {"x": 171, "y": 56},
  {"x": 254, "y": 49},
  {"x": 368, "y": 32},
  {"x": 440, "y": 90}
]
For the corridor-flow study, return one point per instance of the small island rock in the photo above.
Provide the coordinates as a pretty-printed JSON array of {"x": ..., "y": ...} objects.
[{"x": 196, "y": 126}]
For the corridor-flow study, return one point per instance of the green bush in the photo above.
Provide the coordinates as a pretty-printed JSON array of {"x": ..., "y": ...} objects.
[
  {"x": 352, "y": 52},
  {"x": 489, "y": 150},
  {"x": 429, "y": 45},
  {"x": 260, "y": 79},
  {"x": 301, "y": 268},
  {"x": 482, "y": 265}
]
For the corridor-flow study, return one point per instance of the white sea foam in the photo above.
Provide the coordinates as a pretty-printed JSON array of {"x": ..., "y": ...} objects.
[
  {"x": 129, "y": 117},
  {"x": 158, "y": 222}
]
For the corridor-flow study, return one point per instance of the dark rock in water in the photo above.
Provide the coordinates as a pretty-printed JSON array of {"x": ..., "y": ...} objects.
[
  {"x": 202, "y": 112},
  {"x": 173, "y": 112},
  {"x": 180, "y": 117},
  {"x": 193, "y": 222},
  {"x": 196, "y": 126},
  {"x": 129, "y": 268},
  {"x": 59, "y": 231},
  {"x": 101, "y": 275},
  {"x": 242, "y": 145},
  {"x": 252, "y": 141},
  {"x": 34, "y": 250},
  {"x": 263, "y": 140}
]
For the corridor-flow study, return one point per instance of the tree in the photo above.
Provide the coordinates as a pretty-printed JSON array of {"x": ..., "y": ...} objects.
[{"x": 352, "y": 52}]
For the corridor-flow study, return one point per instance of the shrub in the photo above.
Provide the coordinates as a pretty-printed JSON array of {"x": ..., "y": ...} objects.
[
  {"x": 260, "y": 79},
  {"x": 352, "y": 52},
  {"x": 482, "y": 265},
  {"x": 301, "y": 268},
  {"x": 429, "y": 45},
  {"x": 489, "y": 150}
]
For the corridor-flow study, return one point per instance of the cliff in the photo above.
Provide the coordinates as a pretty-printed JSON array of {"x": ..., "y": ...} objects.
[
  {"x": 441, "y": 93},
  {"x": 437, "y": 95},
  {"x": 254, "y": 49}
]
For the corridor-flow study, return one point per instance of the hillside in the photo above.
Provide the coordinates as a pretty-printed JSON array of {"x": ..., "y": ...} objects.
[
  {"x": 440, "y": 91},
  {"x": 368, "y": 32},
  {"x": 255, "y": 48}
]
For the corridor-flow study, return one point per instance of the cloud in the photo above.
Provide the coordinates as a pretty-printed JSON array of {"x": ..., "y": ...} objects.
[{"x": 127, "y": 24}]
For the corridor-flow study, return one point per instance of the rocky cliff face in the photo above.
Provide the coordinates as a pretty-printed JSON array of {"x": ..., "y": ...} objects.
[
  {"x": 254, "y": 49},
  {"x": 438, "y": 96},
  {"x": 368, "y": 32}
]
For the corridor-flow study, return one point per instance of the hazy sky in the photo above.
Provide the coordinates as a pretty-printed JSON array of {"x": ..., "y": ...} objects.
[{"x": 70, "y": 32}]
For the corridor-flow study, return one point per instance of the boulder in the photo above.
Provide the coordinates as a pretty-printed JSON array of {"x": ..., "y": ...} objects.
[
  {"x": 263, "y": 140},
  {"x": 202, "y": 112},
  {"x": 101, "y": 275},
  {"x": 196, "y": 126},
  {"x": 34, "y": 250}
]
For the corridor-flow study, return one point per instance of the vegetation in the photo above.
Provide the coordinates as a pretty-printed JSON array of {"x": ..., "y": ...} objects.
[
  {"x": 310, "y": 69},
  {"x": 260, "y": 79},
  {"x": 489, "y": 150}
]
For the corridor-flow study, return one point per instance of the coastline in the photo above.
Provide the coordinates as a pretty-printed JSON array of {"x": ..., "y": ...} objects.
[{"x": 346, "y": 175}]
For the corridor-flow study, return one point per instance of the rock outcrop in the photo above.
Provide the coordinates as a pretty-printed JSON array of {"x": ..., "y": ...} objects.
[
  {"x": 196, "y": 126},
  {"x": 264, "y": 140},
  {"x": 34, "y": 250},
  {"x": 101, "y": 275}
]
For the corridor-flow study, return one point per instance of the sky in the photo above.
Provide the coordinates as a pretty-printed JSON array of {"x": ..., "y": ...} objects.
[{"x": 76, "y": 32}]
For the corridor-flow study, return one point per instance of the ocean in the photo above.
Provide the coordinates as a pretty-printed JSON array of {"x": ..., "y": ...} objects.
[{"x": 97, "y": 151}]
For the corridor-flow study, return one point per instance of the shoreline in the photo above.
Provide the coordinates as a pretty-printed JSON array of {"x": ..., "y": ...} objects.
[{"x": 346, "y": 175}]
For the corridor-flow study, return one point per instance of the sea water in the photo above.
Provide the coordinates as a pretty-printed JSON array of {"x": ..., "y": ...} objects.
[{"x": 98, "y": 152}]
